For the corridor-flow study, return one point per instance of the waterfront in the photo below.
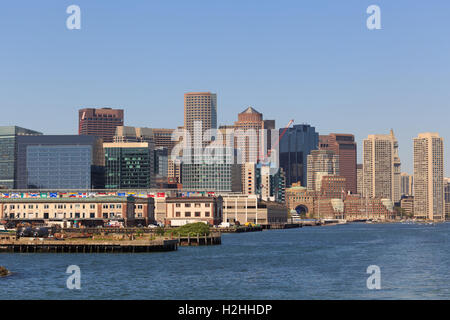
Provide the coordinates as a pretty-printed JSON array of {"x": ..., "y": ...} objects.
[{"x": 307, "y": 263}]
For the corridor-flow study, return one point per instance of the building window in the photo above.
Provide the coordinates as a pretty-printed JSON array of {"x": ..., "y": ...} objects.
[
  {"x": 197, "y": 214},
  {"x": 178, "y": 214},
  {"x": 187, "y": 214}
]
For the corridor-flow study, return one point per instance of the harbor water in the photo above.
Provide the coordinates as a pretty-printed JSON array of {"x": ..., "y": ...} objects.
[{"x": 307, "y": 263}]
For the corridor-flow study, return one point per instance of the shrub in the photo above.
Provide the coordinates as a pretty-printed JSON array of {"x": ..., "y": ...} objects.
[{"x": 192, "y": 229}]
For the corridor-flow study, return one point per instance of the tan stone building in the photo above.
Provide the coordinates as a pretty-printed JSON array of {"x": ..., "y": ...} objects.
[
  {"x": 247, "y": 208},
  {"x": 86, "y": 211},
  {"x": 407, "y": 204},
  {"x": 321, "y": 163},
  {"x": 429, "y": 177},
  {"x": 202, "y": 107},
  {"x": 184, "y": 210},
  {"x": 381, "y": 165},
  {"x": 407, "y": 184}
]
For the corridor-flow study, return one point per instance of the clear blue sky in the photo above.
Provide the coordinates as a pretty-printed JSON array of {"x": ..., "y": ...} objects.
[{"x": 311, "y": 61}]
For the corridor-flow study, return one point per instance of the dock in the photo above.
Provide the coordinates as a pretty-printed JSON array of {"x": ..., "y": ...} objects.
[
  {"x": 30, "y": 245},
  {"x": 199, "y": 240},
  {"x": 278, "y": 226}
]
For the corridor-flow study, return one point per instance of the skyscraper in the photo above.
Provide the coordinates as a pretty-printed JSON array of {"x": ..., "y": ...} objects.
[
  {"x": 200, "y": 107},
  {"x": 447, "y": 197},
  {"x": 99, "y": 122},
  {"x": 406, "y": 184},
  {"x": 429, "y": 177},
  {"x": 381, "y": 165},
  {"x": 360, "y": 178},
  {"x": 344, "y": 146},
  {"x": 8, "y": 153},
  {"x": 295, "y": 146},
  {"x": 321, "y": 163},
  {"x": 250, "y": 136}
]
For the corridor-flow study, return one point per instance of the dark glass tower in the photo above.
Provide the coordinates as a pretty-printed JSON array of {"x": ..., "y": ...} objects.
[
  {"x": 128, "y": 165},
  {"x": 295, "y": 146},
  {"x": 8, "y": 154}
]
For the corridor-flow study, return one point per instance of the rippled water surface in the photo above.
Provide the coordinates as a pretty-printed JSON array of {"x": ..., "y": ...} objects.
[{"x": 307, "y": 263}]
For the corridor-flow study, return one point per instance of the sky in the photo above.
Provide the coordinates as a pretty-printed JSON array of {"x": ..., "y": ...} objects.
[{"x": 315, "y": 62}]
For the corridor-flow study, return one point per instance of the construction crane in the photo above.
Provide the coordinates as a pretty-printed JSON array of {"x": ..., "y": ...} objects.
[{"x": 278, "y": 142}]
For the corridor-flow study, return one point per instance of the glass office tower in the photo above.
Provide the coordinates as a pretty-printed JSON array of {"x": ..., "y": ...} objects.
[
  {"x": 8, "y": 153},
  {"x": 60, "y": 162},
  {"x": 128, "y": 165},
  {"x": 295, "y": 146}
]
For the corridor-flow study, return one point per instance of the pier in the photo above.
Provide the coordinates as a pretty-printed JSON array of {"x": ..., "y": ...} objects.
[
  {"x": 68, "y": 246},
  {"x": 199, "y": 240}
]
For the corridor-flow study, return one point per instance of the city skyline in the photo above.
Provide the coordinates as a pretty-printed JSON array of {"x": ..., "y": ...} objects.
[
  {"x": 407, "y": 164},
  {"x": 278, "y": 62}
]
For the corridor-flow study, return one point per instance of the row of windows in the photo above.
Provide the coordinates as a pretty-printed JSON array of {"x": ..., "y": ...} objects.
[
  {"x": 196, "y": 205},
  {"x": 46, "y": 206},
  {"x": 64, "y": 215},
  {"x": 187, "y": 214}
]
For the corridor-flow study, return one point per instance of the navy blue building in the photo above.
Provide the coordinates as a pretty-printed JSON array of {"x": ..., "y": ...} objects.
[
  {"x": 294, "y": 148},
  {"x": 60, "y": 162}
]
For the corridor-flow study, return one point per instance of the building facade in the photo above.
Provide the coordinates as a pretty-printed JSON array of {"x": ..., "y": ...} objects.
[
  {"x": 134, "y": 134},
  {"x": 360, "y": 179},
  {"x": 447, "y": 198},
  {"x": 407, "y": 185},
  {"x": 344, "y": 146},
  {"x": 81, "y": 211},
  {"x": 163, "y": 138},
  {"x": 8, "y": 153},
  {"x": 429, "y": 177},
  {"x": 60, "y": 162},
  {"x": 184, "y": 210},
  {"x": 295, "y": 145},
  {"x": 200, "y": 107},
  {"x": 333, "y": 187},
  {"x": 214, "y": 170},
  {"x": 100, "y": 122},
  {"x": 321, "y": 163},
  {"x": 247, "y": 208},
  {"x": 250, "y": 138},
  {"x": 407, "y": 205},
  {"x": 268, "y": 183},
  {"x": 129, "y": 165},
  {"x": 381, "y": 165}
]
